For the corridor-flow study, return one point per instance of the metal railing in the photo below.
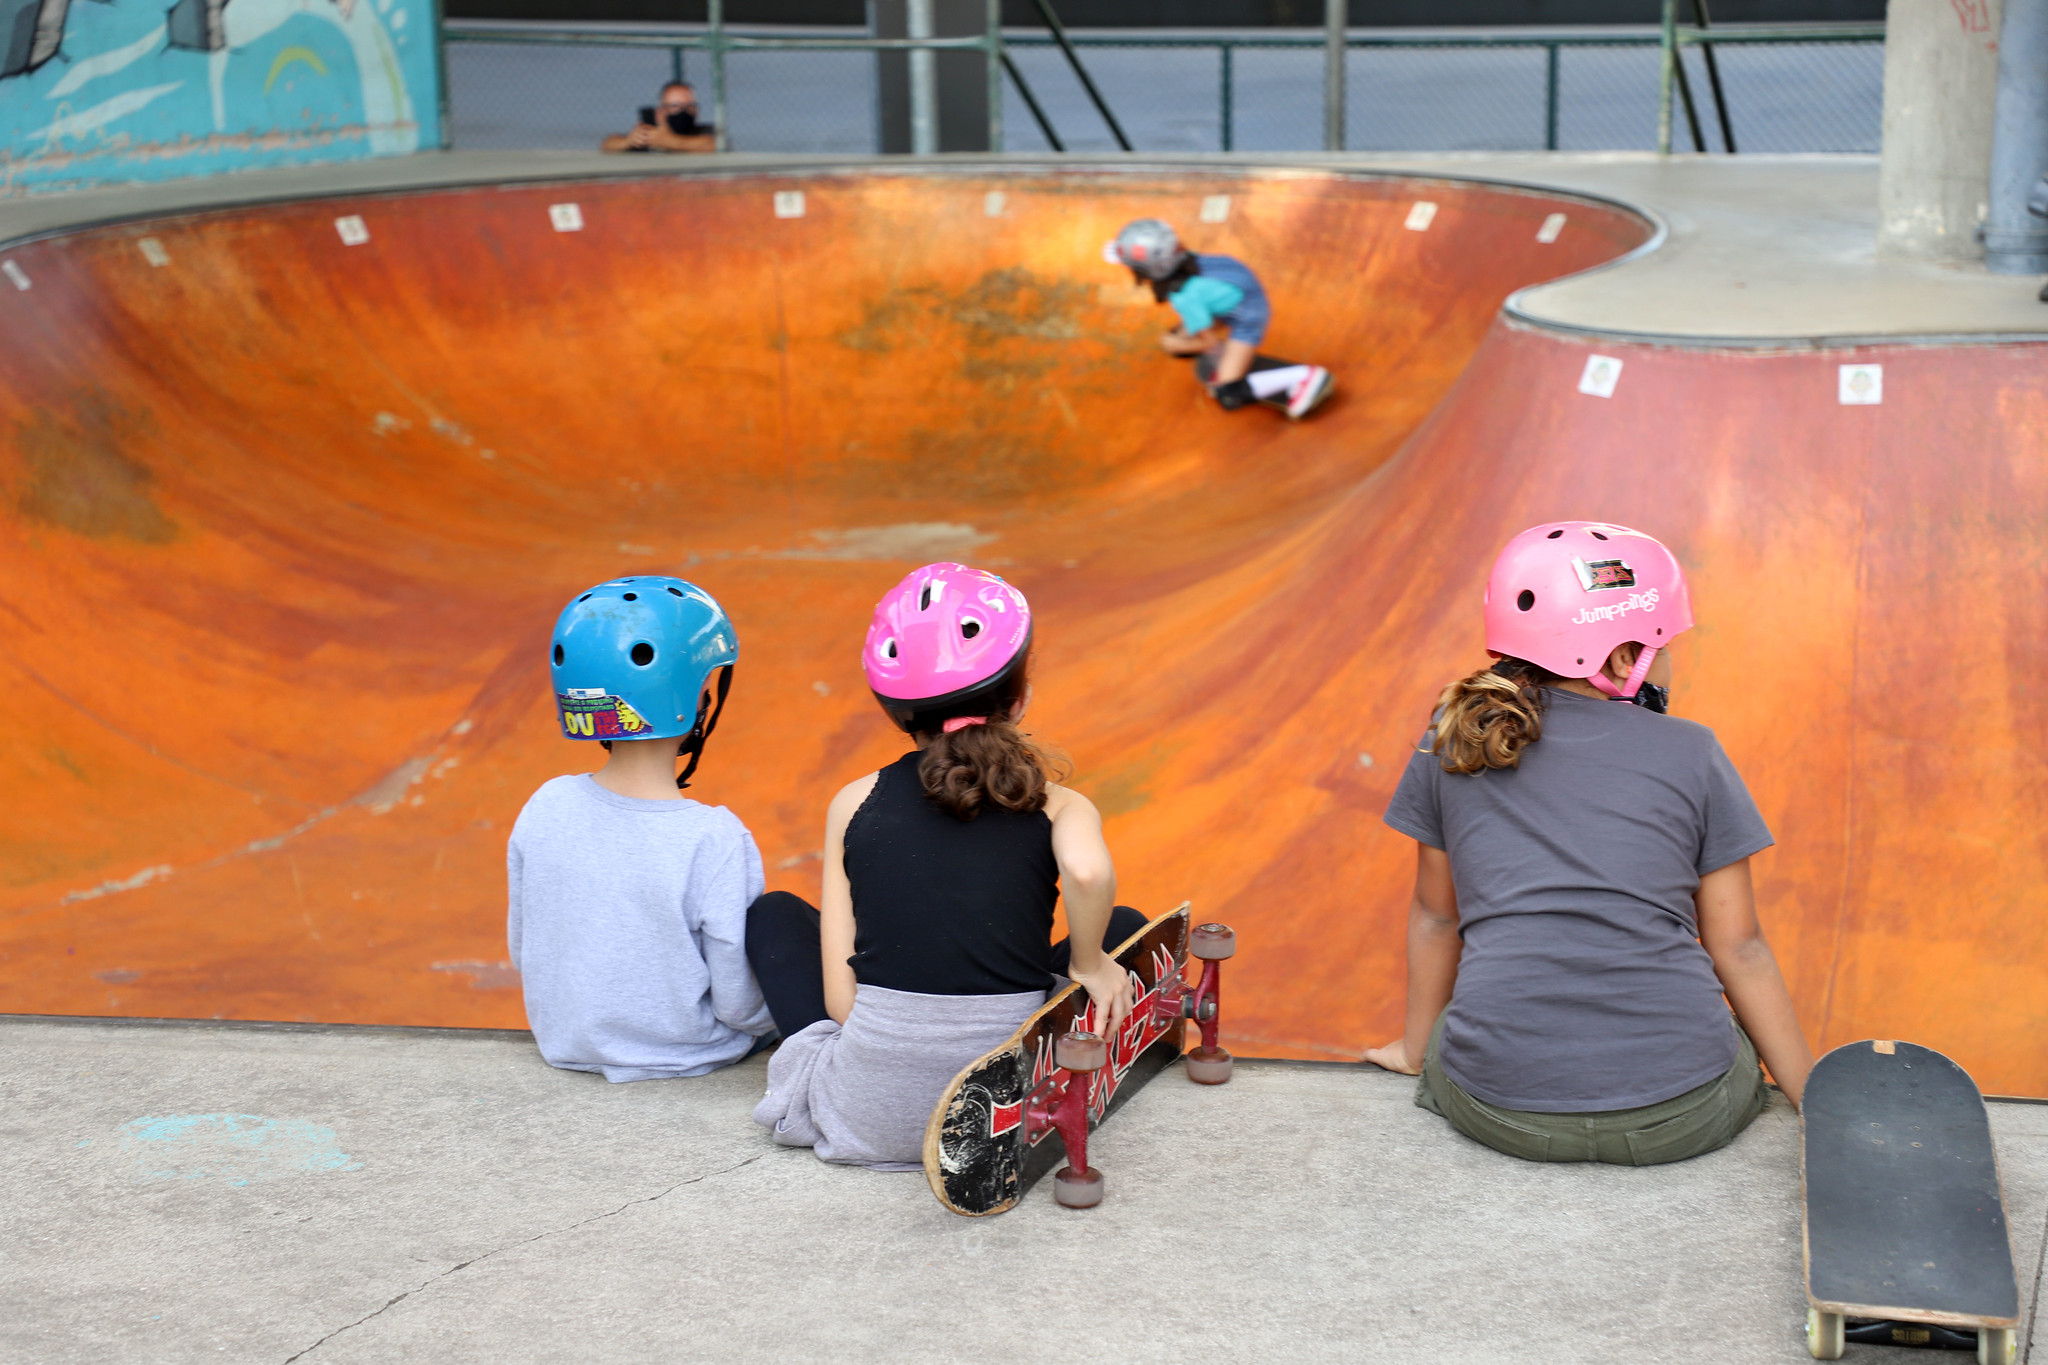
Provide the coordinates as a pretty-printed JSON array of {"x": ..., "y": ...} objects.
[{"x": 717, "y": 42}]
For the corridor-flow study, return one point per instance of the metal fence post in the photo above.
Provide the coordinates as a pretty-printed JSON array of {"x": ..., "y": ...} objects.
[
  {"x": 1223, "y": 94},
  {"x": 995, "y": 75},
  {"x": 1667, "y": 70},
  {"x": 924, "y": 81},
  {"x": 716, "y": 15},
  {"x": 675, "y": 65},
  {"x": 1550, "y": 99},
  {"x": 1336, "y": 17}
]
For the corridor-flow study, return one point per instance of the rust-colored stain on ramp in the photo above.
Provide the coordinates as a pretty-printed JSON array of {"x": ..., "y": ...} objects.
[{"x": 284, "y": 524}]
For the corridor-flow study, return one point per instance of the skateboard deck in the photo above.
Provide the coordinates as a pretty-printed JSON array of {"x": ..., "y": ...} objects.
[
  {"x": 984, "y": 1147},
  {"x": 1905, "y": 1215},
  {"x": 1205, "y": 369}
]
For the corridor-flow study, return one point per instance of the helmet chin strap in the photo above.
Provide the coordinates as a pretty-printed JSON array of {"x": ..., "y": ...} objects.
[{"x": 1627, "y": 691}]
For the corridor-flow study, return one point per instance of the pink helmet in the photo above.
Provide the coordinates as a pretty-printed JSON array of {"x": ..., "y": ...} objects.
[
  {"x": 1565, "y": 594},
  {"x": 942, "y": 636}
]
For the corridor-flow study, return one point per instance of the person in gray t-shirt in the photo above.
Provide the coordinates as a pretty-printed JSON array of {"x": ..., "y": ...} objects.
[{"x": 1583, "y": 898}]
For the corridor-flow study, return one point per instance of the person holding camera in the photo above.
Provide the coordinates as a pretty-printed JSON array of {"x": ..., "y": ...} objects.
[{"x": 669, "y": 127}]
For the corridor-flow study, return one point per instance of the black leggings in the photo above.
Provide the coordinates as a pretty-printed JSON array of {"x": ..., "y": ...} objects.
[{"x": 782, "y": 945}]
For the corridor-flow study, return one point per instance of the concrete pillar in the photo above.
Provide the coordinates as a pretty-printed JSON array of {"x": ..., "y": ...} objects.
[
  {"x": 1940, "y": 75},
  {"x": 2015, "y": 241}
]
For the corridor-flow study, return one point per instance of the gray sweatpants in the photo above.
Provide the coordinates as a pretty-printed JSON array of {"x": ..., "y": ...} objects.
[{"x": 1702, "y": 1119}]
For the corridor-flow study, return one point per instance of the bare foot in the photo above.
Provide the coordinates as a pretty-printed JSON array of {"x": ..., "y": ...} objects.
[{"x": 1393, "y": 1057}]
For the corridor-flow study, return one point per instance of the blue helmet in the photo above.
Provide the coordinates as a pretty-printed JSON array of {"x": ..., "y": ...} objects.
[{"x": 633, "y": 659}]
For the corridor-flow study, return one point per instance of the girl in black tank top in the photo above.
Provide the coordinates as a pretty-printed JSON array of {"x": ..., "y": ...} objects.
[
  {"x": 944, "y": 906},
  {"x": 942, "y": 870}
]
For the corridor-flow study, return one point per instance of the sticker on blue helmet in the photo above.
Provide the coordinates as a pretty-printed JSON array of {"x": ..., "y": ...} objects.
[{"x": 593, "y": 713}]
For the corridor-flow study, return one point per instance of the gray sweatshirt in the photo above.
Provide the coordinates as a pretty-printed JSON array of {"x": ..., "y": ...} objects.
[{"x": 628, "y": 924}]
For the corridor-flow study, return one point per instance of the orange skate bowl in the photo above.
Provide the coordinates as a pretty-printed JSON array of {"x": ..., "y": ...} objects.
[{"x": 287, "y": 521}]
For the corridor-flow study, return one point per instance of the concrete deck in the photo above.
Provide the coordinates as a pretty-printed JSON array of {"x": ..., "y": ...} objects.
[
  {"x": 1768, "y": 251},
  {"x": 439, "y": 1196}
]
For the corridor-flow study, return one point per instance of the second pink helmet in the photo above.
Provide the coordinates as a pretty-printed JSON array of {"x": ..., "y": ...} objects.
[
  {"x": 1565, "y": 594},
  {"x": 943, "y": 636}
]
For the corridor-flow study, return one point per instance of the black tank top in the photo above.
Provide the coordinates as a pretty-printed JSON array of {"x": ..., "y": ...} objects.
[{"x": 943, "y": 906}]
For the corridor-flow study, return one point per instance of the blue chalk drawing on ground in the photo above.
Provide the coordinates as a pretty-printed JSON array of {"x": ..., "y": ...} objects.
[
  {"x": 138, "y": 90},
  {"x": 241, "y": 1149}
]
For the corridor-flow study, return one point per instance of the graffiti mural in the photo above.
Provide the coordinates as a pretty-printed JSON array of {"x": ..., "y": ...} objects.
[{"x": 95, "y": 92}]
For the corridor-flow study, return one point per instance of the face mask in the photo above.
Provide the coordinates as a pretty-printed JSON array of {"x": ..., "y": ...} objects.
[{"x": 1651, "y": 697}]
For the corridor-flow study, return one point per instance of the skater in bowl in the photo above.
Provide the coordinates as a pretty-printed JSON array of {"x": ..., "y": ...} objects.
[
  {"x": 1582, "y": 894},
  {"x": 1223, "y": 318}
]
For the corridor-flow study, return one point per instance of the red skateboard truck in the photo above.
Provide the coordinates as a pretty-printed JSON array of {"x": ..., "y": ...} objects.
[{"x": 1063, "y": 1102}]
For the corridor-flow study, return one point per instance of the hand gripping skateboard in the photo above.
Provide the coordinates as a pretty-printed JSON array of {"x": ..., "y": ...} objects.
[
  {"x": 1011, "y": 1114},
  {"x": 1906, "y": 1239}
]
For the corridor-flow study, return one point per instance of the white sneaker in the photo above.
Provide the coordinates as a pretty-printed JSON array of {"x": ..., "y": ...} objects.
[{"x": 1314, "y": 387}]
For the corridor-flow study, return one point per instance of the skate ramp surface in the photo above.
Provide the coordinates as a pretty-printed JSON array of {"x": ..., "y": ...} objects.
[{"x": 288, "y": 521}]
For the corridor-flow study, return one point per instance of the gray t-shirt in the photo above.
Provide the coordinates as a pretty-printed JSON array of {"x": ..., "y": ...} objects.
[
  {"x": 1582, "y": 986},
  {"x": 628, "y": 924}
]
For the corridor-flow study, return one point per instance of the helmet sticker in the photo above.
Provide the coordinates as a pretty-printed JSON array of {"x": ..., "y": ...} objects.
[
  {"x": 1600, "y": 574},
  {"x": 593, "y": 713}
]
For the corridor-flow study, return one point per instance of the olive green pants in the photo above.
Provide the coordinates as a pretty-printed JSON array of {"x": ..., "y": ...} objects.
[{"x": 1702, "y": 1119}]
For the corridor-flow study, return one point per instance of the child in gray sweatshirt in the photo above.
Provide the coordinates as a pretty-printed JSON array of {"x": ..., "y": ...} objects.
[{"x": 628, "y": 900}]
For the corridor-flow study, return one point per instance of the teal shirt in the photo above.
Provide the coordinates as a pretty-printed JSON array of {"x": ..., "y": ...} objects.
[{"x": 1202, "y": 300}]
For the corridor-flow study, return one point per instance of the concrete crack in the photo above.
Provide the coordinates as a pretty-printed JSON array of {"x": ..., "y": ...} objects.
[
  {"x": 2027, "y": 1352},
  {"x": 433, "y": 1280}
]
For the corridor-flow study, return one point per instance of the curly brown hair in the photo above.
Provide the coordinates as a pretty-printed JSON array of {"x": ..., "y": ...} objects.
[
  {"x": 990, "y": 764},
  {"x": 1487, "y": 719}
]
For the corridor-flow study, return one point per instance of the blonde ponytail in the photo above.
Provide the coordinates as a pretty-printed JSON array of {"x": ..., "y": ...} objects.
[{"x": 1487, "y": 719}]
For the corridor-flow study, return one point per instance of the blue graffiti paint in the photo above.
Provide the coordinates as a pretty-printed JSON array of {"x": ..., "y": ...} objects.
[
  {"x": 136, "y": 92},
  {"x": 241, "y": 1149}
]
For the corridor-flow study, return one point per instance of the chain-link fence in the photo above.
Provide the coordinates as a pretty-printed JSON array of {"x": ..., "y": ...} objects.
[{"x": 1190, "y": 91}]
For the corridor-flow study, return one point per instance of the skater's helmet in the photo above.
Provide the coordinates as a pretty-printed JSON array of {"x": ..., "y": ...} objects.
[
  {"x": 1564, "y": 594},
  {"x": 633, "y": 658},
  {"x": 944, "y": 638},
  {"x": 1148, "y": 246}
]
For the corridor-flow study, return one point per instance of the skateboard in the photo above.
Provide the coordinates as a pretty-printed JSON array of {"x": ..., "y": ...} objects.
[
  {"x": 1015, "y": 1111},
  {"x": 1205, "y": 370},
  {"x": 1906, "y": 1240}
]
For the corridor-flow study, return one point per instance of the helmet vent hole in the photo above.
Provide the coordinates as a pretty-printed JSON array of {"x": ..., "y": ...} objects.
[
  {"x": 1555, "y": 534},
  {"x": 675, "y": 592},
  {"x": 1598, "y": 536},
  {"x": 632, "y": 597},
  {"x": 1525, "y": 600},
  {"x": 969, "y": 629},
  {"x": 1660, "y": 630},
  {"x": 558, "y": 656},
  {"x": 924, "y": 599},
  {"x": 584, "y": 598},
  {"x": 1582, "y": 661},
  {"x": 889, "y": 648},
  {"x": 643, "y": 654}
]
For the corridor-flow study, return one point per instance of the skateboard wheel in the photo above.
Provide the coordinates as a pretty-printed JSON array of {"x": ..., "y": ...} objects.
[
  {"x": 1212, "y": 942},
  {"x": 1080, "y": 1052},
  {"x": 1077, "y": 1189},
  {"x": 1824, "y": 1334},
  {"x": 1996, "y": 1346},
  {"x": 1208, "y": 1066}
]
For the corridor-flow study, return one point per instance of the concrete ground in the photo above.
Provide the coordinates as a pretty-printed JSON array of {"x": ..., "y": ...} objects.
[{"x": 182, "y": 1193}]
